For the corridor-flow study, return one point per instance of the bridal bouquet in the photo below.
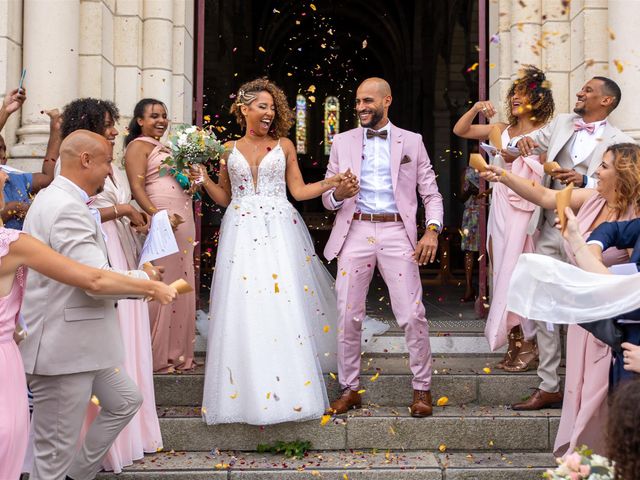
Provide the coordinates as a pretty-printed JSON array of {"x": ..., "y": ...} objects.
[
  {"x": 190, "y": 145},
  {"x": 582, "y": 464}
]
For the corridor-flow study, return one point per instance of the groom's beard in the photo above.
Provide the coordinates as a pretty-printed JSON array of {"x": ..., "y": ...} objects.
[{"x": 376, "y": 116}]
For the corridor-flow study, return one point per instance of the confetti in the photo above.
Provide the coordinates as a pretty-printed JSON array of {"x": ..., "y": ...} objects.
[
  {"x": 472, "y": 68},
  {"x": 313, "y": 7},
  {"x": 375, "y": 377},
  {"x": 95, "y": 400},
  {"x": 276, "y": 288},
  {"x": 364, "y": 44},
  {"x": 325, "y": 419},
  {"x": 234, "y": 396},
  {"x": 261, "y": 49},
  {"x": 442, "y": 447},
  {"x": 333, "y": 375},
  {"x": 297, "y": 409},
  {"x": 362, "y": 391},
  {"x": 618, "y": 65},
  {"x": 442, "y": 401},
  {"x": 486, "y": 370},
  {"x": 307, "y": 383},
  {"x": 326, "y": 329}
]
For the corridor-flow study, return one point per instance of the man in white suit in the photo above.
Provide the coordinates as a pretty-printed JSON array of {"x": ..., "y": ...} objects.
[
  {"x": 577, "y": 141},
  {"x": 73, "y": 351}
]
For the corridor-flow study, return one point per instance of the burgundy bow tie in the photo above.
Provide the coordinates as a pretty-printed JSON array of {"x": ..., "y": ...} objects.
[
  {"x": 374, "y": 133},
  {"x": 580, "y": 125}
]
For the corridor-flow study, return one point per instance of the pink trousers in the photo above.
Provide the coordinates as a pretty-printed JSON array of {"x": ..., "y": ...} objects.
[{"x": 386, "y": 245}]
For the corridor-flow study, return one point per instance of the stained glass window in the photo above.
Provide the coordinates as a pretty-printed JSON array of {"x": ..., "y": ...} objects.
[
  {"x": 301, "y": 124},
  {"x": 331, "y": 122}
]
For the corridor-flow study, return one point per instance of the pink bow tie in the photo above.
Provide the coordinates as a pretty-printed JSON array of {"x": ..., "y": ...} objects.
[{"x": 580, "y": 125}]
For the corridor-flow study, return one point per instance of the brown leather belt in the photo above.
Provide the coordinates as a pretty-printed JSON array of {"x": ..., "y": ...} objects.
[{"x": 377, "y": 217}]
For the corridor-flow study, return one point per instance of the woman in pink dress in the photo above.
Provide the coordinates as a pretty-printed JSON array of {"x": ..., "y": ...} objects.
[
  {"x": 529, "y": 106},
  {"x": 17, "y": 251},
  {"x": 617, "y": 197},
  {"x": 172, "y": 326},
  {"x": 121, "y": 221}
]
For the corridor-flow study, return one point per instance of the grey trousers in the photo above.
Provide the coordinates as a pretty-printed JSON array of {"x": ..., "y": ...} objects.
[
  {"x": 549, "y": 243},
  {"x": 59, "y": 408}
]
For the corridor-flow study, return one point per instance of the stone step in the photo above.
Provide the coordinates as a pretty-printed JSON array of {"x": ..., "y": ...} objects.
[
  {"x": 338, "y": 465},
  {"x": 455, "y": 428},
  {"x": 462, "y": 380}
]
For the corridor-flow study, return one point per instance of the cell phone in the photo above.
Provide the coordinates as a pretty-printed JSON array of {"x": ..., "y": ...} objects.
[{"x": 24, "y": 74}]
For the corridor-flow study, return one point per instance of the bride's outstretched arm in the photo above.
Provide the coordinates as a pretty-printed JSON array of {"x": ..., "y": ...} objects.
[
  {"x": 533, "y": 191},
  {"x": 588, "y": 257},
  {"x": 300, "y": 190}
]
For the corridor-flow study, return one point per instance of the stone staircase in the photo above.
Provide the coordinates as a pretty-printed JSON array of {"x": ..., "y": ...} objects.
[{"x": 474, "y": 437}]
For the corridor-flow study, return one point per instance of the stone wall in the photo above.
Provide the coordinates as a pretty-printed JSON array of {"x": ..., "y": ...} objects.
[
  {"x": 120, "y": 50},
  {"x": 572, "y": 42}
]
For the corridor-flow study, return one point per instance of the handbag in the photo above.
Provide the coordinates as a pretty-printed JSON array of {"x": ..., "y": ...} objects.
[{"x": 607, "y": 331}]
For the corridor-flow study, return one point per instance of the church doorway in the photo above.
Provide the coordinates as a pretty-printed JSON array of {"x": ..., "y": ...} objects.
[{"x": 319, "y": 52}]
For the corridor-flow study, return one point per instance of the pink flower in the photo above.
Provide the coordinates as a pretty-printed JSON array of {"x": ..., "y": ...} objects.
[
  {"x": 573, "y": 462},
  {"x": 585, "y": 470}
]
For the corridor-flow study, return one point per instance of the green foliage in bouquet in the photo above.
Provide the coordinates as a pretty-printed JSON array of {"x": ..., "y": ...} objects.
[
  {"x": 295, "y": 449},
  {"x": 582, "y": 464},
  {"x": 190, "y": 145}
]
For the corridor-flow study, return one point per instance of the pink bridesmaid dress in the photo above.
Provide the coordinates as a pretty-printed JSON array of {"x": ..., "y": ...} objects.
[
  {"x": 584, "y": 408},
  {"x": 509, "y": 218},
  {"x": 172, "y": 326},
  {"x": 14, "y": 410}
]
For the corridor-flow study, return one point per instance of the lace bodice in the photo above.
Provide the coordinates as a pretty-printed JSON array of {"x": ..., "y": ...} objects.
[{"x": 270, "y": 176}]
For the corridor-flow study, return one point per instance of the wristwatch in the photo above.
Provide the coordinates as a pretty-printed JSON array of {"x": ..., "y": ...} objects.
[{"x": 433, "y": 227}]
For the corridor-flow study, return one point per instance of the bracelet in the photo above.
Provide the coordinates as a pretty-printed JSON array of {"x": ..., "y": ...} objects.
[{"x": 115, "y": 210}]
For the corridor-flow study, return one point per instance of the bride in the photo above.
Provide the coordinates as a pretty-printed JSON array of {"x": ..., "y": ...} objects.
[{"x": 273, "y": 309}]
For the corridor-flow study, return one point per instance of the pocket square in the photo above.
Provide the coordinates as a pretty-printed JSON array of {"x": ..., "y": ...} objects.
[{"x": 405, "y": 159}]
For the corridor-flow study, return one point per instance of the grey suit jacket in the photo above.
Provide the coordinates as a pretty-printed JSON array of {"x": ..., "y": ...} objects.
[
  {"x": 69, "y": 331},
  {"x": 555, "y": 136}
]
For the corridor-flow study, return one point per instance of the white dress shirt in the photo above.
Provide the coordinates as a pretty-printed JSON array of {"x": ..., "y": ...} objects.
[
  {"x": 376, "y": 187},
  {"x": 583, "y": 145}
]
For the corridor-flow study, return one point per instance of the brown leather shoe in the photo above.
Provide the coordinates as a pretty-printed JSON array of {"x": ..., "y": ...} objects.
[
  {"x": 421, "y": 406},
  {"x": 348, "y": 400},
  {"x": 539, "y": 400}
]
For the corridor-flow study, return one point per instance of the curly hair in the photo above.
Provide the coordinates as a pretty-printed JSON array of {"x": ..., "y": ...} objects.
[
  {"x": 532, "y": 84},
  {"x": 135, "y": 130},
  {"x": 626, "y": 162},
  {"x": 248, "y": 92},
  {"x": 624, "y": 430},
  {"x": 87, "y": 114}
]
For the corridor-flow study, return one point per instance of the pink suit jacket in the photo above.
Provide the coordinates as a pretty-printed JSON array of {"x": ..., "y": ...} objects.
[{"x": 410, "y": 170}]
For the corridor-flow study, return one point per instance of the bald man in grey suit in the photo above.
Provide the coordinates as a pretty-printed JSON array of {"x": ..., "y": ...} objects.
[{"x": 73, "y": 351}]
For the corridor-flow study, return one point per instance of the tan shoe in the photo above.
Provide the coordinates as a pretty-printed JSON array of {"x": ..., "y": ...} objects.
[
  {"x": 539, "y": 400},
  {"x": 515, "y": 343},
  {"x": 526, "y": 359},
  {"x": 421, "y": 406},
  {"x": 348, "y": 400}
]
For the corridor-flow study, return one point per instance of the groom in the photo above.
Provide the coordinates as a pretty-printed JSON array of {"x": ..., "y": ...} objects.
[{"x": 378, "y": 227}]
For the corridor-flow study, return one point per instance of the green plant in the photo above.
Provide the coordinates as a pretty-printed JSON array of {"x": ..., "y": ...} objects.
[{"x": 295, "y": 449}]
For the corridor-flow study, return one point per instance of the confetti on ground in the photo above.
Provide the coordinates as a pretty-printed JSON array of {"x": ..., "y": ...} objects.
[
  {"x": 325, "y": 419},
  {"x": 375, "y": 377},
  {"x": 486, "y": 370},
  {"x": 442, "y": 401},
  {"x": 442, "y": 447}
]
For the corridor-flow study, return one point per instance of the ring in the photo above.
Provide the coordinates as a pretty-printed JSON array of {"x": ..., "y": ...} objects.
[{"x": 484, "y": 109}]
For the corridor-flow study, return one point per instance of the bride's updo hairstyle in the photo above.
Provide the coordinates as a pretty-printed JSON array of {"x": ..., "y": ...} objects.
[
  {"x": 247, "y": 94},
  {"x": 626, "y": 163}
]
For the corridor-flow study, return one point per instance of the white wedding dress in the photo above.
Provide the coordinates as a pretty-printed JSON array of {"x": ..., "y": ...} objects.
[{"x": 273, "y": 308}]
